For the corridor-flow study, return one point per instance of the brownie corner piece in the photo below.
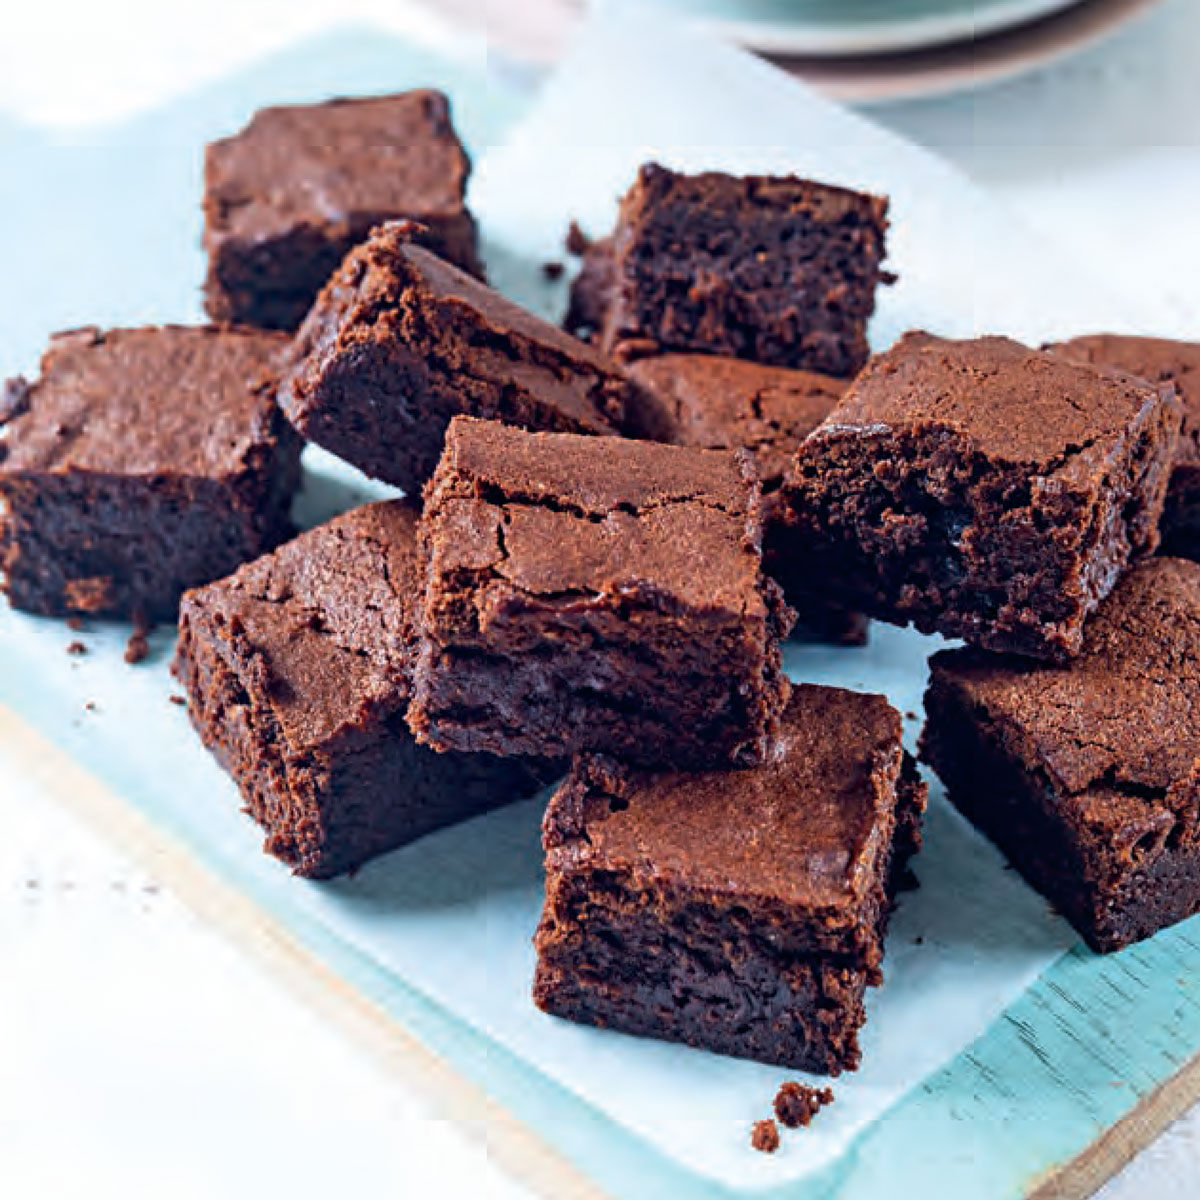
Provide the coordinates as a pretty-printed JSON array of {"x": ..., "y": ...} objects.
[
  {"x": 400, "y": 341},
  {"x": 776, "y": 269},
  {"x": 140, "y": 463},
  {"x": 297, "y": 669},
  {"x": 1160, "y": 360},
  {"x": 1087, "y": 775},
  {"x": 286, "y": 198},
  {"x": 596, "y": 594},
  {"x": 982, "y": 490},
  {"x": 742, "y": 912}
]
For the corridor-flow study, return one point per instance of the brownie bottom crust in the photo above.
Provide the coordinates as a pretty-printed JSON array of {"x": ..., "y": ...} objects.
[
  {"x": 370, "y": 790},
  {"x": 627, "y": 961},
  {"x": 1082, "y": 852}
]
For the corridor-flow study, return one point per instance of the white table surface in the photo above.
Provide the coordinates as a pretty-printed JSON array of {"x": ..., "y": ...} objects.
[{"x": 142, "y": 1056}]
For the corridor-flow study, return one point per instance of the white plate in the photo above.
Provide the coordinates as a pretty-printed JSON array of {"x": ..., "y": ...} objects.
[
  {"x": 939, "y": 70},
  {"x": 860, "y": 27}
]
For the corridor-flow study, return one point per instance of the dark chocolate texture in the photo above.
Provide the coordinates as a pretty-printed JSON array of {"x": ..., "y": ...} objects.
[
  {"x": 596, "y": 593},
  {"x": 141, "y": 463},
  {"x": 400, "y": 341},
  {"x": 981, "y": 490},
  {"x": 298, "y": 668},
  {"x": 1087, "y": 776},
  {"x": 287, "y": 197},
  {"x": 738, "y": 911}
]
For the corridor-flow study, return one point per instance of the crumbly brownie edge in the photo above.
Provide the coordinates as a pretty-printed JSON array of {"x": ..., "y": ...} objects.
[
  {"x": 757, "y": 316},
  {"x": 930, "y": 583},
  {"x": 1012, "y": 803},
  {"x": 587, "y": 971},
  {"x": 381, "y": 366},
  {"x": 223, "y": 676}
]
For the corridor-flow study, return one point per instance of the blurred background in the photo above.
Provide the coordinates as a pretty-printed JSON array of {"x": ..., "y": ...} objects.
[{"x": 1083, "y": 115}]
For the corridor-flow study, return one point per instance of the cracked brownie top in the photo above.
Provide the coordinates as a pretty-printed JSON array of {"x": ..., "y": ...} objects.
[
  {"x": 1015, "y": 405},
  {"x": 1116, "y": 729},
  {"x": 327, "y": 620},
  {"x": 814, "y": 825},
  {"x": 721, "y": 403},
  {"x": 1157, "y": 359},
  {"x": 325, "y": 163},
  {"x": 559, "y": 519},
  {"x": 165, "y": 399}
]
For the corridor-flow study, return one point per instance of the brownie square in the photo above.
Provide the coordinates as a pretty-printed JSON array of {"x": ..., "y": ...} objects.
[
  {"x": 141, "y": 463},
  {"x": 775, "y": 269},
  {"x": 287, "y": 197},
  {"x": 1176, "y": 363},
  {"x": 981, "y": 490},
  {"x": 725, "y": 403},
  {"x": 738, "y": 911},
  {"x": 1087, "y": 776},
  {"x": 596, "y": 594},
  {"x": 297, "y": 669},
  {"x": 400, "y": 341}
]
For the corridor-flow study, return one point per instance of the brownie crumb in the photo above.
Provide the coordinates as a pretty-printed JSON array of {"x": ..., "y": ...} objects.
[
  {"x": 912, "y": 716},
  {"x": 75, "y": 624},
  {"x": 181, "y": 701},
  {"x": 553, "y": 270},
  {"x": 90, "y": 706},
  {"x": 918, "y": 940},
  {"x": 577, "y": 242},
  {"x": 137, "y": 649},
  {"x": 76, "y": 648},
  {"x": 796, "y": 1104},
  {"x": 765, "y": 1136}
]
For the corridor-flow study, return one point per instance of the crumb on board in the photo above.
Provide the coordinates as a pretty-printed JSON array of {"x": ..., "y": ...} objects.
[
  {"x": 918, "y": 940},
  {"x": 90, "y": 706},
  {"x": 76, "y": 647},
  {"x": 911, "y": 716},
  {"x": 75, "y": 624},
  {"x": 138, "y": 648},
  {"x": 181, "y": 701},
  {"x": 553, "y": 270},
  {"x": 796, "y": 1103},
  {"x": 765, "y": 1136}
]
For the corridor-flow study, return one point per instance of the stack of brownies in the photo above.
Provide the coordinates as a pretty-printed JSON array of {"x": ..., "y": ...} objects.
[{"x": 603, "y": 544}]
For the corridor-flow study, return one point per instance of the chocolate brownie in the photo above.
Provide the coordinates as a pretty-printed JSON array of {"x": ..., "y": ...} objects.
[
  {"x": 724, "y": 403},
  {"x": 1087, "y": 775},
  {"x": 738, "y": 911},
  {"x": 141, "y": 463},
  {"x": 289, "y": 195},
  {"x": 775, "y": 269},
  {"x": 981, "y": 490},
  {"x": 596, "y": 594},
  {"x": 1161, "y": 361},
  {"x": 400, "y": 341},
  {"x": 297, "y": 669}
]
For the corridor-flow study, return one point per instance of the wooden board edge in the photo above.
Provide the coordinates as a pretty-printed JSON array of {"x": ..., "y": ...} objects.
[
  {"x": 1088, "y": 1172},
  {"x": 518, "y": 1149}
]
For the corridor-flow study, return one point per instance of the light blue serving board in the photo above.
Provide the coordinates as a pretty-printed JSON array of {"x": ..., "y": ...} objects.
[{"x": 1075, "y": 1076}]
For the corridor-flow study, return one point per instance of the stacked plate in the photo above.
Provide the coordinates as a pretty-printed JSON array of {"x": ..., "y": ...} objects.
[{"x": 889, "y": 49}]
